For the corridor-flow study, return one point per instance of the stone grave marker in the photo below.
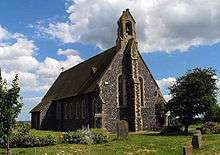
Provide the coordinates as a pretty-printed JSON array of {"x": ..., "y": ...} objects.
[
  {"x": 187, "y": 150},
  {"x": 122, "y": 129},
  {"x": 196, "y": 141}
]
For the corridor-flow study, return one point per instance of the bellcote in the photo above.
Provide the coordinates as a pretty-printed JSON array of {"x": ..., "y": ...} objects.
[{"x": 126, "y": 26}]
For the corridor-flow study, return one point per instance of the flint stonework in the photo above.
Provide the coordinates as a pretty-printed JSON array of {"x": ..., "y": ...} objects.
[{"x": 113, "y": 85}]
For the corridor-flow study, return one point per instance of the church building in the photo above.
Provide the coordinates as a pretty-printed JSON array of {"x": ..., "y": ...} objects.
[{"x": 113, "y": 85}]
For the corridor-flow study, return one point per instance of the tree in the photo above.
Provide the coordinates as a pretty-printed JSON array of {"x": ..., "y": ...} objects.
[
  {"x": 192, "y": 95},
  {"x": 10, "y": 107},
  {"x": 214, "y": 115}
]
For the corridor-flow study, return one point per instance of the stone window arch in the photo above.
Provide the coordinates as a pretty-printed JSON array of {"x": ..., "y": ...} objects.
[
  {"x": 142, "y": 91},
  {"x": 128, "y": 28}
]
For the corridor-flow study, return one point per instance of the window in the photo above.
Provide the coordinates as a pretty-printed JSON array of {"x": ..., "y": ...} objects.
[
  {"x": 122, "y": 91},
  {"x": 77, "y": 110},
  {"x": 65, "y": 111},
  {"x": 128, "y": 28},
  {"x": 83, "y": 108},
  {"x": 142, "y": 91}
]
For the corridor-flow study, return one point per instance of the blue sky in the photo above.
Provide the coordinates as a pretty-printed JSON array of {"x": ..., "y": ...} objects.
[{"x": 37, "y": 38}]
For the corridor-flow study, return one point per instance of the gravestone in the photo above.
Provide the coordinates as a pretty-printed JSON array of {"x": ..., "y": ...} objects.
[
  {"x": 198, "y": 132},
  {"x": 122, "y": 129},
  {"x": 197, "y": 141},
  {"x": 187, "y": 150}
]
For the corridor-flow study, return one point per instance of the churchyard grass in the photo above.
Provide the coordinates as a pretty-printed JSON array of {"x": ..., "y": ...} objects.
[{"x": 137, "y": 143}]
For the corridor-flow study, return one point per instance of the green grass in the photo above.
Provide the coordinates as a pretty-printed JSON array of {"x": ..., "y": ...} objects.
[{"x": 137, "y": 143}]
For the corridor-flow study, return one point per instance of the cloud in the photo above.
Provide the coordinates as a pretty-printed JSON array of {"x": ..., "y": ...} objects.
[
  {"x": 67, "y": 52},
  {"x": 51, "y": 67},
  {"x": 164, "y": 84},
  {"x": 18, "y": 56},
  {"x": 167, "y": 97},
  {"x": 3, "y": 33},
  {"x": 62, "y": 31},
  {"x": 162, "y": 25}
]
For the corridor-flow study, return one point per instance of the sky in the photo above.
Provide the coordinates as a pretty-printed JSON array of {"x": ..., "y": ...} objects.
[{"x": 39, "y": 38}]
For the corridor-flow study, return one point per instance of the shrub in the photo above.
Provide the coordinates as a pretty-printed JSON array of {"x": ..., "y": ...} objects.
[
  {"x": 30, "y": 141},
  {"x": 86, "y": 136},
  {"x": 210, "y": 127},
  {"x": 100, "y": 136},
  {"x": 171, "y": 130},
  {"x": 21, "y": 138},
  {"x": 21, "y": 129}
]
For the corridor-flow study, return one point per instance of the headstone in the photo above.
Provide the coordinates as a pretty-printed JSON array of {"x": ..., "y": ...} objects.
[
  {"x": 187, "y": 150},
  {"x": 122, "y": 129},
  {"x": 197, "y": 141},
  {"x": 198, "y": 132}
]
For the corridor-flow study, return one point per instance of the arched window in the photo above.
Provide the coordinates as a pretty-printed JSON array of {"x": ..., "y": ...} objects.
[
  {"x": 83, "y": 109},
  {"x": 77, "y": 109},
  {"x": 122, "y": 96},
  {"x": 142, "y": 91},
  {"x": 128, "y": 28},
  {"x": 65, "y": 111}
]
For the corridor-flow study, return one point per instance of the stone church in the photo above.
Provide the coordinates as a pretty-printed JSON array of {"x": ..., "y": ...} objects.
[{"x": 113, "y": 85}]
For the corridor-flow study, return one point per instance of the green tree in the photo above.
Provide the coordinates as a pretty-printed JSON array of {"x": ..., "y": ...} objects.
[
  {"x": 10, "y": 107},
  {"x": 192, "y": 95},
  {"x": 214, "y": 115}
]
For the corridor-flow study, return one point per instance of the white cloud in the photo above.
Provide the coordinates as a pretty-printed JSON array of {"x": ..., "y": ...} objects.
[
  {"x": 18, "y": 56},
  {"x": 51, "y": 67},
  {"x": 162, "y": 25},
  {"x": 164, "y": 84},
  {"x": 3, "y": 33},
  {"x": 167, "y": 97},
  {"x": 62, "y": 31},
  {"x": 67, "y": 52}
]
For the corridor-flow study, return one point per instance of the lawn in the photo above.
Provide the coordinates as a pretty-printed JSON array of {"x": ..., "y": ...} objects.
[{"x": 137, "y": 143}]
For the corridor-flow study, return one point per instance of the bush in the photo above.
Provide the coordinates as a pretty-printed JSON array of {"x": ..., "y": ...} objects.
[
  {"x": 100, "y": 136},
  {"x": 30, "y": 141},
  {"x": 21, "y": 129},
  {"x": 171, "y": 130},
  {"x": 210, "y": 127},
  {"x": 21, "y": 138},
  {"x": 86, "y": 136}
]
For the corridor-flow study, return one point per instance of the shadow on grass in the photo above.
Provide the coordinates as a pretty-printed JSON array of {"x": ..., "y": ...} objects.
[{"x": 168, "y": 134}]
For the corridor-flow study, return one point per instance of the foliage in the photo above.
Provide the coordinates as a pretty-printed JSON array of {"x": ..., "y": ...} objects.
[
  {"x": 210, "y": 127},
  {"x": 21, "y": 137},
  {"x": 160, "y": 112},
  {"x": 171, "y": 130},
  {"x": 100, "y": 136},
  {"x": 30, "y": 141},
  {"x": 215, "y": 113},
  {"x": 10, "y": 107},
  {"x": 137, "y": 144},
  {"x": 193, "y": 94},
  {"x": 86, "y": 136}
]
